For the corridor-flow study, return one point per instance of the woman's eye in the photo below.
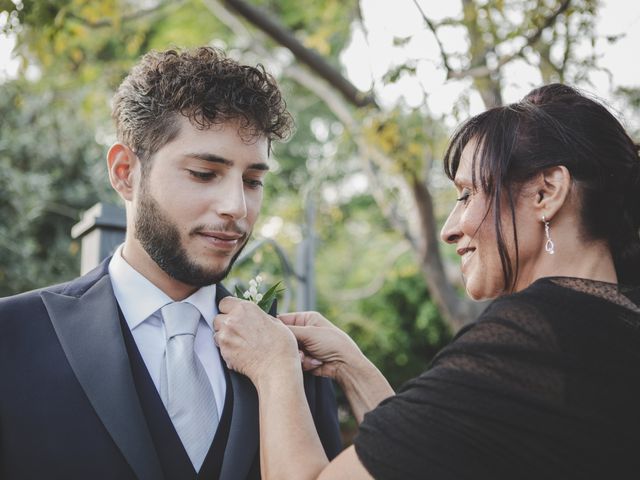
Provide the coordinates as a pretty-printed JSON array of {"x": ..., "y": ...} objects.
[
  {"x": 202, "y": 175},
  {"x": 464, "y": 197}
]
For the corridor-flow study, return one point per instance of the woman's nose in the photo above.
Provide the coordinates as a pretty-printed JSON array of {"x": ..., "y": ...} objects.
[{"x": 450, "y": 232}]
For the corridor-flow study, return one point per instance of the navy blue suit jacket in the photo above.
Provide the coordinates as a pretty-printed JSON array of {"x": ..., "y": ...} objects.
[{"x": 68, "y": 404}]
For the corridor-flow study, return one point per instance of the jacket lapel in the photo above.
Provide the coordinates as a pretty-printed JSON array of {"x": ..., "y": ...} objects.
[
  {"x": 242, "y": 444},
  {"x": 89, "y": 331}
]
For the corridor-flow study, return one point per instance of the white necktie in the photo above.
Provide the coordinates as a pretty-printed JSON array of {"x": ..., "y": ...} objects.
[{"x": 184, "y": 387}]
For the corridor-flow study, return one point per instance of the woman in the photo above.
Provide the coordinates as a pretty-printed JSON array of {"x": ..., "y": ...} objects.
[{"x": 546, "y": 382}]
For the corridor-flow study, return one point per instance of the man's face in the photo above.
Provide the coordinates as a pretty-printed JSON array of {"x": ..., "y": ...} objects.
[{"x": 197, "y": 203}]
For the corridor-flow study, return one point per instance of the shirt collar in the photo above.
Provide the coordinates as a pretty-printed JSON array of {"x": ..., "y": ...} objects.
[{"x": 139, "y": 299}]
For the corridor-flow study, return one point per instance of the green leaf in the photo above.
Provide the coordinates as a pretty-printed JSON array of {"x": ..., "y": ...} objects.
[
  {"x": 269, "y": 296},
  {"x": 401, "y": 41},
  {"x": 239, "y": 292}
]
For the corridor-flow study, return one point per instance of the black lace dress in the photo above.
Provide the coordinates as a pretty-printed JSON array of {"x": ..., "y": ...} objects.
[{"x": 545, "y": 384}]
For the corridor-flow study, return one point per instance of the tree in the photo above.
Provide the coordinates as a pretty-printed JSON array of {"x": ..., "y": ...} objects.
[
  {"x": 44, "y": 184},
  {"x": 372, "y": 168},
  {"x": 397, "y": 148}
]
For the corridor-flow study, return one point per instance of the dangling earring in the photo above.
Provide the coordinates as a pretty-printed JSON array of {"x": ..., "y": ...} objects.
[{"x": 549, "y": 246}]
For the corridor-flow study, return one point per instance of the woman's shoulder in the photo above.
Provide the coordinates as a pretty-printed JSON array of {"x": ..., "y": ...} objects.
[
  {"x": 556, "y": 314},
  {"x": 550, "y": 298},
  {"x": 523, "y": 315},
  {"x": 543, "y": 291}
]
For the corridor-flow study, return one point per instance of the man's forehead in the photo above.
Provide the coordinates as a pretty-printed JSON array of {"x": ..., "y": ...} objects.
[{"x": 244, "y": 128}]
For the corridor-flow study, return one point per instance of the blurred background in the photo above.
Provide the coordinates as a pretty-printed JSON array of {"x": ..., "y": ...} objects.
[{"x": 376, "y": 88}]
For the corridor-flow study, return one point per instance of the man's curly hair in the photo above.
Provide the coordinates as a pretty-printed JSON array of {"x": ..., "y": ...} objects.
[{"x": 203, "y": 85}]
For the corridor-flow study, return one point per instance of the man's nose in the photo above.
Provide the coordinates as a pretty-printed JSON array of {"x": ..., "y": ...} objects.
[{"x": 230, "y": 199}]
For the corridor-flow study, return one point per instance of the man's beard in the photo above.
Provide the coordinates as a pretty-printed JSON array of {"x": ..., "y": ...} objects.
[{"x": 160, "y": 238}]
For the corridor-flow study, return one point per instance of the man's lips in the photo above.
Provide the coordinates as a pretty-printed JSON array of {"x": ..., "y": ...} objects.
[
  {"x": 222, "y": 240},
  {"x": 223, "y": 235}
]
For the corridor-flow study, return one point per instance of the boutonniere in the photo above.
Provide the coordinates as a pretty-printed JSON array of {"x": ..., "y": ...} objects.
[{"x": 254, "y": 293}]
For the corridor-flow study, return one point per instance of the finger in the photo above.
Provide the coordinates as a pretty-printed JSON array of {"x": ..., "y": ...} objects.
[
  {"x": 218, "y": 321},
  {"x": 293, "y": 318},
  {"x": 304, "y": 335},
  {"x": 228, "y": 303},
  {"x": 310, "y": 363},
  {"x": 218, "y": 338},
  {"x": 302, "y": 319}
]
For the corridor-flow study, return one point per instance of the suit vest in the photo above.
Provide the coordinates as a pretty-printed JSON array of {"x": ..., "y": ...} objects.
[{"x": 173, "y": 457}]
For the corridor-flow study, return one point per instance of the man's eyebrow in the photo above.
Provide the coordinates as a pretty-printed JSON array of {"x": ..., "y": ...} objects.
[{"x": 210, "y": 157}]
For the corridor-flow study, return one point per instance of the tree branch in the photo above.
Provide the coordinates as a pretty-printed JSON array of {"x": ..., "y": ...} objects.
[
  {"x": 457, "y": 312},
  {"x": 400, "y": 212},
  {"x": 433, "y": 28},
  {"x": 531, "y": 39},
  {"x": 264, "y": 22},
  {"x": 105, "y": 22}
]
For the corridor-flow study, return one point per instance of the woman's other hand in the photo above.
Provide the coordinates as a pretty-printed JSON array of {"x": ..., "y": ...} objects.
[
  {"x": 252, "y": 342},
  {"x": 326, "y": 349}
]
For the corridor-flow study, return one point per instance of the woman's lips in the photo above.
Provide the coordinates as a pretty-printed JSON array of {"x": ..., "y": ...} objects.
[{"x": 465, "y": 255}]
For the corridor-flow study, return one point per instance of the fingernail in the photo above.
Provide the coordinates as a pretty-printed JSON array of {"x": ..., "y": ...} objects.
[{"x": 315, "y": 362}]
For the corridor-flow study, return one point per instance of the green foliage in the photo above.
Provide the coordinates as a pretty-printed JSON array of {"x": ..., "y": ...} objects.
[
  {"x": 372, "y": 287},
  {"x": 368, "y": 282},
  {"x": 51, "y": 169},
  {"x": 631, "y": 98},
  {"x": 323, "y": 25},
  {"x": 408, "y": 136},
  {"x": 404, "y": 329}
]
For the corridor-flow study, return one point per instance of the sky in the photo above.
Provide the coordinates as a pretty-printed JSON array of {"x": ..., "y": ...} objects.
[{"x": 369, "y": 59}]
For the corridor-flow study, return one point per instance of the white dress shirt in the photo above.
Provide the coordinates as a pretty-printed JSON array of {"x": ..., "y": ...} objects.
[{"x": 141, "y": 301}]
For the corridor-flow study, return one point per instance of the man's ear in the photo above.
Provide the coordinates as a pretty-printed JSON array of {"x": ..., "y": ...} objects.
[
  {"x": 552, "y": 190},
  {"x": 123, "y": 166}
]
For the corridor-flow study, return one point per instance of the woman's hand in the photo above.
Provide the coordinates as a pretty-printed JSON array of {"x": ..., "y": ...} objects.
[
  {"x": 326, "y": 348},
  {"x": 330, "y": 352},
  {"x": 252, "y": 342}
]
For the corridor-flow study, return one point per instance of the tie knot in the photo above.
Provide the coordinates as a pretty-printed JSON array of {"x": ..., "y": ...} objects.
[{"x": 180, "y": 318}]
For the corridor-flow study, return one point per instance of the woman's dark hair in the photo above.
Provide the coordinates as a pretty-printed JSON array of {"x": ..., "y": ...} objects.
[
  {"x": 557, "y": 125},
  {"x": 204, "y": 86}
]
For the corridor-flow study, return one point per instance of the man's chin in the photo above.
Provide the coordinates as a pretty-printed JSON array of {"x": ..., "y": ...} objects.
[
  {"x": 199, "y": 272},
  {"x": 203, "y": 276}
]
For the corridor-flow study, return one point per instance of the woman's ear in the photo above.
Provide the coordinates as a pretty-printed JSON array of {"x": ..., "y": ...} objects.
[
  {"x": 122, "y": 164},
  {"x": 553, "y": 185}
]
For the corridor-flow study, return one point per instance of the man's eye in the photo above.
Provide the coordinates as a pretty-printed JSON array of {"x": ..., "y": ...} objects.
[
  {"x": 202, "y": 175},
  {"x": 253, "y": 183}
]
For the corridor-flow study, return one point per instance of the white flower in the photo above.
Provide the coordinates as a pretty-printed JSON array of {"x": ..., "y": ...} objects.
[{"x": 256, "y": 294}]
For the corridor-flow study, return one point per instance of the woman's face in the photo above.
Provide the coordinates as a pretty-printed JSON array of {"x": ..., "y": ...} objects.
[{"x": 471, "y": 227}]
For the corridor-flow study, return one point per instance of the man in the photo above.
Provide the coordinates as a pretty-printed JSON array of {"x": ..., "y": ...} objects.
[{"x": 115, "y": 374}]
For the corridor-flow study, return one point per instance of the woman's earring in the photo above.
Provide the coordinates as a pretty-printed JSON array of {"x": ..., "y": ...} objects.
[{"x": 549, "y": 246}]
